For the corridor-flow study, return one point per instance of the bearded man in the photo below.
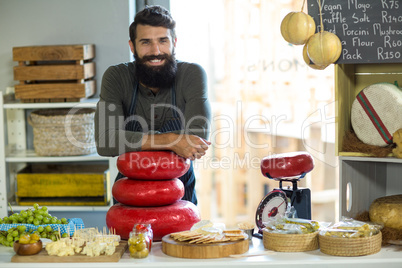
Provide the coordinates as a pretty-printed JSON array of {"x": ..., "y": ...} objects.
[{"x": 155, "y": 102}]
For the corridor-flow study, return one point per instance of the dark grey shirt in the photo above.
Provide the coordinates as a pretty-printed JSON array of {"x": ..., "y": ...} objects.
[{"x": 152, "y": 110}]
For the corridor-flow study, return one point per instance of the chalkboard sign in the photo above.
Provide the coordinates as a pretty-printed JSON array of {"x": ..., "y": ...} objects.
[{"x": 370, "y": 30}]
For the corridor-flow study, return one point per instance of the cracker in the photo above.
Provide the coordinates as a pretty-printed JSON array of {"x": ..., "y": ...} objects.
[
  {"x": 200, "y": 239},
  {"x": 233, "y": 231}
]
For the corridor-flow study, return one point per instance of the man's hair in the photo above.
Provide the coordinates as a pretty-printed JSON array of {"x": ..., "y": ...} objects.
[{"x": 153, "y": 16}]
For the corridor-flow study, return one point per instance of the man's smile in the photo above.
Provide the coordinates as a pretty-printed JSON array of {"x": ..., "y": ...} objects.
[{"x": 156, "y": 62}]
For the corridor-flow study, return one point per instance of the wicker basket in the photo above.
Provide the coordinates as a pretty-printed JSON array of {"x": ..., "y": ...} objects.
[
  {"x": 63, "y": 132},
  {"x": 290, "y": 242},
  {"x": 339, "y": 246}
]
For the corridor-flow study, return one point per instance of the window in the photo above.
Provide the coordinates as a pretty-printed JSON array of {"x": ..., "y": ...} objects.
[{"x": 265, "y": 100}]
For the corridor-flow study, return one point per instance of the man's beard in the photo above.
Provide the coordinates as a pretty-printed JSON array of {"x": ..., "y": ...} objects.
[{"x": 156, "y": 76}]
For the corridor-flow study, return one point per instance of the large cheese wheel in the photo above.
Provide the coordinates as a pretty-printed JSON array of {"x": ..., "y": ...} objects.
[
  {"x": 377, "y": 113},
  {"x": 388, "y": 211},
  {"x": 164, "y": 220},
  {"x": 286, "y": 165},
  {"x": 152, "y": 165},
  {"x": 141, "y": 193}
]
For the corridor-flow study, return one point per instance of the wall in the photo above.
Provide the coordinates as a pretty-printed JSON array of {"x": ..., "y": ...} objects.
[{"x": 51, "y": 22}]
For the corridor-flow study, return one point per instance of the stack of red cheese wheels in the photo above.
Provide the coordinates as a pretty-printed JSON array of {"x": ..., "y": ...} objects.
[{"x": 151, "y": 193}]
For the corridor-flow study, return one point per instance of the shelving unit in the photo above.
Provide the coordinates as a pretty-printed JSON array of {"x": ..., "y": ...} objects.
[
  {"x": 363, "y": 178},
  {"x": 13, "y": 138}
]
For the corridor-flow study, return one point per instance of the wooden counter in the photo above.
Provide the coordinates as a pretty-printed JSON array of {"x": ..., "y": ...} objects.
[{"x": 389, "y": 257}]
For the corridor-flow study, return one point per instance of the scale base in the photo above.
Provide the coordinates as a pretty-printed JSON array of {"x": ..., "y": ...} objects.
[
  {"x": 300, "y": 199},
  {"x": 258, "y": 235}
]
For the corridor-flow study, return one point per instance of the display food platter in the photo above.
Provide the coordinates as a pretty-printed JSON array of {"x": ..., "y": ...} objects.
[
  {"x": 179, "y": 249},
  {"x": 42, "y": 256}
]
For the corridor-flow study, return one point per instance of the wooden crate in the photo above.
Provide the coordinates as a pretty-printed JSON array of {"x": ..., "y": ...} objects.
[
  {"x": 54, "y": 73},
  {"x": 350, "y": 79},
  {"x": 63, "y": 184}
]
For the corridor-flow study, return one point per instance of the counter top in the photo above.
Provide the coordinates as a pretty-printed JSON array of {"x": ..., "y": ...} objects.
[{"x": 389, "y": 256}]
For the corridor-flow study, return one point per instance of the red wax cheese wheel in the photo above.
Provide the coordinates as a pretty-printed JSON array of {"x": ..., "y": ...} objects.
[
  {"x": 152, "y": 165},
  {"x": 141, "y": 193},
  {"x": 287, "y": 165},
  {"x": 180, "y": 216}
]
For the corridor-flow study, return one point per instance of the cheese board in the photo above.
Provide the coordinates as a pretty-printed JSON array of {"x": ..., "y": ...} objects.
[
  {"x": 187, "y": 250},
  {"x": 43, "y": 257}
]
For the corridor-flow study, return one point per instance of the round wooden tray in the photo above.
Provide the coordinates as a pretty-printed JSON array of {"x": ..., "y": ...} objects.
[{"x": 179, "y": 249}]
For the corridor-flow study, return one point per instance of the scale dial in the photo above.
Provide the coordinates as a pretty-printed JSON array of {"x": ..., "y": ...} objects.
[{"x": 273, "y": 205}]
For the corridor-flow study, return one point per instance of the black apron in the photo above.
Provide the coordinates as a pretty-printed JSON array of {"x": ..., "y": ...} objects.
[{"x": 174, "y": 124}]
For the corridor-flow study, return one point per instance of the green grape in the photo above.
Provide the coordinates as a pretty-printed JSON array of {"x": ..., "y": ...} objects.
[
  {"x": 40, "y": 229},
  {"x": 30, "y": 212},
  {"x": 48, "y": 228},
  {"x": 21, "y": 228},
  {"x": 41, "y": 212},
  {"x": 36, "y": 206},
  {"x": 53, "y": 237},
  {"x": 46, "y": 220},
  {"x": 63, "y": 220},
  {"x": 10, "y": 238},
  {"x": 44, "y": 208},
  {"x": 53, "y": 220},
  {"x": 30, "y": 219},
  {"x": 5, "y": 219},
  {"x": 24, "y": 214},
  {"x": 36, "y": 222},
  {"x": 15, "y": 233}
]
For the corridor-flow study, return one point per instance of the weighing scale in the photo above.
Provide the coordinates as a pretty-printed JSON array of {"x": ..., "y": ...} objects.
[{"x": 287, "y": 167}]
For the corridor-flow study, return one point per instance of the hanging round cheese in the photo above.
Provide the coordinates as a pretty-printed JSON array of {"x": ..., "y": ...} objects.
[{"x": 377, "y": 113}]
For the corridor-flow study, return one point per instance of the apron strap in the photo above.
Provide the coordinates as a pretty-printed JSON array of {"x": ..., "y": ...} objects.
[{"x": 174, "y": 124}]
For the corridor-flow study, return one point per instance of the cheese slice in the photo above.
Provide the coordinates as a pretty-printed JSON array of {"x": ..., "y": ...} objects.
[{"x": 201, "y": 224}]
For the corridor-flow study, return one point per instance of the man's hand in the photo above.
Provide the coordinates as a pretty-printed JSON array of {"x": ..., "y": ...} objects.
[
  {"x": 187, "y": 146},
  {"x": 190, "y": 146}
]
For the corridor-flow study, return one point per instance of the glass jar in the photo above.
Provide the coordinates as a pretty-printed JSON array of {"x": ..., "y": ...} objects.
[{"x": 140, "y": 241}]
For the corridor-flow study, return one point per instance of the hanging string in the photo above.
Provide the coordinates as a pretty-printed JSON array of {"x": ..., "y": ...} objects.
[
  {"x": 321, "y": 24},
  {"x": 304, "y": 1}
]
